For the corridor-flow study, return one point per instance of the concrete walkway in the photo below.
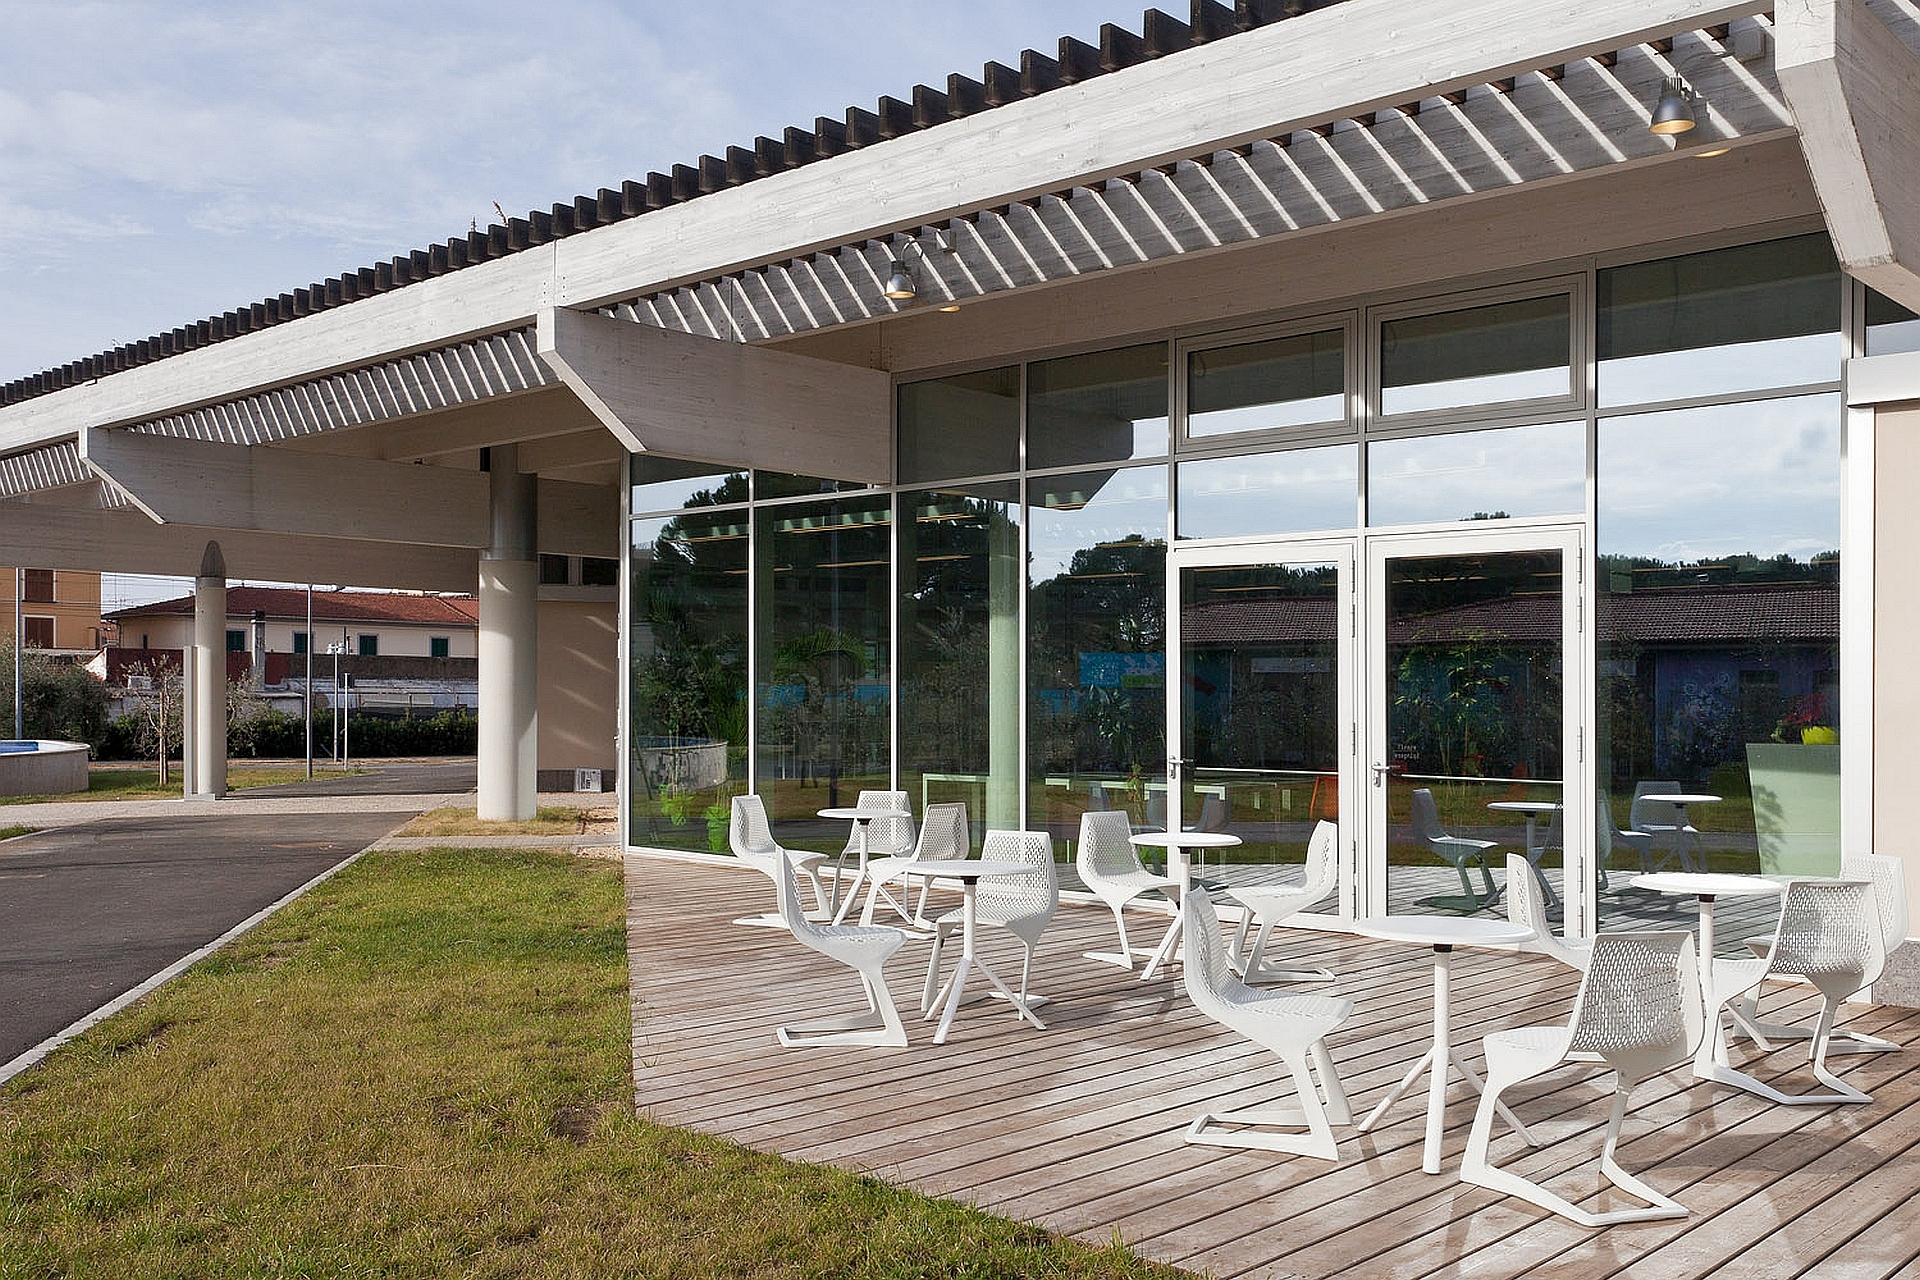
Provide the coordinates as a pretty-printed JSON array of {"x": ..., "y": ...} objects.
[{"x": 107, "y": 894}]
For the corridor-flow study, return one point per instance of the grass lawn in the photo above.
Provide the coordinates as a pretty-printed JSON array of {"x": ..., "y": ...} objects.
[
  {"x": 422, "y": 1069},
  {"x": 111, "y": 782},
  {"x": 548, "y": 820}
]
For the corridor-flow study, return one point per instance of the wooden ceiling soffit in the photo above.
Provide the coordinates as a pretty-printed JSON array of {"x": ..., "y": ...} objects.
[
  {"x": 269, "y": 490},
  {"x": 713, "y": 400},
  {"x": 126, "y": 541},
  {"x": 1585, "y": 115},
  {"x": 1854, "y": 88}
]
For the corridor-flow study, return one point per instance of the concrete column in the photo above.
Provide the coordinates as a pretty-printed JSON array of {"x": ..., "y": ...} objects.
[
  {"x": 509, "y": 653},
  {"x": 208, "y": 777}
]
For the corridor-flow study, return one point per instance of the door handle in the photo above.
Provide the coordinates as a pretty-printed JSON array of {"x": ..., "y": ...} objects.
[{"x": 1380, "y": 772}]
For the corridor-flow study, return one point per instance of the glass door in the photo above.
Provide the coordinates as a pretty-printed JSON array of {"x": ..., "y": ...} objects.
[
  {"x": 1476, "y": 677},
  {"x": 1263, "y": 703}
]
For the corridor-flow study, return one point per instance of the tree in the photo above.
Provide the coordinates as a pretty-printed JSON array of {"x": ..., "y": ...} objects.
[
  {"x": 155, "y": 692},
  {"x": 59, "y": 700}
]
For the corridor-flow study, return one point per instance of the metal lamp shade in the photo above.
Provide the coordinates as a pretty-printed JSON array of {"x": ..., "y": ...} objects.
[
  {"x": 899, "y": 283},
  {"x": 1674, "y": 114}
]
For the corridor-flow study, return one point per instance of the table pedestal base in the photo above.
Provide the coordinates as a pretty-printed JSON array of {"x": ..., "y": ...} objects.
[
  {"x": 1439, "y": 1061},
  {"x": 953, "y": 993}
]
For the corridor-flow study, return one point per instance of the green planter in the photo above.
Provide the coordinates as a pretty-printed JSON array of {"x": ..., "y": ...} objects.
[{"x": 1796, "y": 807}]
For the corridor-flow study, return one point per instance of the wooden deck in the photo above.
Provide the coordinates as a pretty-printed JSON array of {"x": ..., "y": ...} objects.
[{"x": 1078, "y": 1128}]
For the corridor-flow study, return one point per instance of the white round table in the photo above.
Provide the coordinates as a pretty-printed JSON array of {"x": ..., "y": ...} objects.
[
  {"x": 1176, "y": 843},
  {"x": 969, "y": 873},
  {"x": 859, "y": 818},
  {"x": 1443, "y": 934},
  {"x": 1708, "y": 886}
]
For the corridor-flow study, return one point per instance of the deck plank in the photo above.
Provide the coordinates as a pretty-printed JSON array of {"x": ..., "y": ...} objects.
[{"x": 1080, "y": 1128}]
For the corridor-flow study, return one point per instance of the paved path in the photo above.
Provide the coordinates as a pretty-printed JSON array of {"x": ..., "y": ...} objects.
[{"x": 111, "y": 892}]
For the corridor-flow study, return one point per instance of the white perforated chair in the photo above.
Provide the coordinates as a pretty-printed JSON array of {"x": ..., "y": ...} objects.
[
  {"x": 1608, "y": 836},
  {"x": 943, "y": 838},
  {"x": 1829, "y": 934},
  {"x": 1022, "y": 904},
  {"x": 1271, "y": 905},
  {"x": 1639, "y": 1012},
  {"x": 1659, "y": 822},
  {"x": 1890, "y": 895},
  {"x": 1110, "y": 867},
  {"x": 1292, "y": 1025},
  {"x": 1525, "y": 908},
  {"x": 751, "y": 839},
  {"x": 862, "y": 948},
  {"x": 885, "y": 838},
  {"x": 1459, "y": 851}
]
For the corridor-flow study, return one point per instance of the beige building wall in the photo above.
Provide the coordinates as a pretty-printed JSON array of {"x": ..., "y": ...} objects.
[
  {"x": 579, "y": 684},
  {"x": 1896, "y": 624},
  {"x": 75, "y": 609}
]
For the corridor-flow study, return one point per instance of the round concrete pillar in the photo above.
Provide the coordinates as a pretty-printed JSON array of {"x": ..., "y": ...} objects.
[
  {"x": 209, "y": 655},
  {"x": 509, "y": 654}
]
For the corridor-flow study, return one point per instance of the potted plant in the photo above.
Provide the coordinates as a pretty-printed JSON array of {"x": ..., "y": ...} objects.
[{"x": 718, "y": 815}]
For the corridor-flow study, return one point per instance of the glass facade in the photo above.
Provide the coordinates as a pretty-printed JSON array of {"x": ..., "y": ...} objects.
[{"x": 994, "y": 628}]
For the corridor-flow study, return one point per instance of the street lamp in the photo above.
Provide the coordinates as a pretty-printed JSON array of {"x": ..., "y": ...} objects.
[{"x": 334, "y": 649}]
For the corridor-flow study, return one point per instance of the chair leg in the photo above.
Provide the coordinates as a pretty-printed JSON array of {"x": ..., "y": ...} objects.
[
  {"x": 1254, "y": 1130},
  {"x": 1124, "y": 956},
  {"x": 1822, "y": 1033},
  {"x": 1255, "y": 969},
  {"x": 1338, "y": 1108},
  {"x": 1475, "y": 1168},
  {"x": 879, "y": 1027},
  {"x": 1839, "y": 1090}
]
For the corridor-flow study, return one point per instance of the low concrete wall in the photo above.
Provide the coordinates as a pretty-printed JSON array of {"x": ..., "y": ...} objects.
[{"x": 47, "y": 769}]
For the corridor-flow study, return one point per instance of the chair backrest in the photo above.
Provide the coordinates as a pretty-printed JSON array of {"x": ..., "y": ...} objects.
[
  {"x": 1213, "y": 814},
  {"x": 1426, "y": 816},
  {"x": 944, "y": 836},
  {"x": 1889, "y": 880},
  {"x": 1639, "y": 1004},
  {"x": 1829, "y": 933},
  {"x": 1648, "y": 811},
  {"x": 1097, "y": 800},
  {"x": 1031, "y": 895},
  {"x": 1323, "y": 862},
  {"x": 886, "y": 837},
  {"x": 786, "y": 890},
  {"x": 1208, "y": 975},
  {"x": 749, "y": 835},
  {"x": 1157, "y": 807},
  {"x": 1525, "y": 909},
  {"x": 1104, "y": 852},
  {"x": 1604, "y": 829}
]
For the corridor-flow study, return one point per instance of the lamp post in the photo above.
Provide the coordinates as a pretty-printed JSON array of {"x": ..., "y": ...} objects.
[
  {"x": 334, "y": 649},
  {"x": 308, "y": 646}
]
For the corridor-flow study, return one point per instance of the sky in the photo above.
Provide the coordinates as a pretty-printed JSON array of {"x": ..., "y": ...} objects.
[{"x": 165, "y": 162}]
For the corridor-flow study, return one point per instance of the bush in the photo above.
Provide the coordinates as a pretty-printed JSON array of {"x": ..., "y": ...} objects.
[{"x": 59, "y": 699}]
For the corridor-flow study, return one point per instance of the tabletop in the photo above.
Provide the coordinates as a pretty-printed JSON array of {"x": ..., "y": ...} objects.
[
  {"x": 1681, "y": 797},
  {"x": 1187, "y": 839},
  {"x": 863, "y": 815},
  {"x": 963, "y": 869},
  {"x": 1524, "y": 806},
  {"x": 1710, "y": 884},
  {"x": 1444, "y": 931}
]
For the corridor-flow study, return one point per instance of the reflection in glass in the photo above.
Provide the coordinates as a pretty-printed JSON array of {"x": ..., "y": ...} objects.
[
  {"x": 672, "y": 484},
  {"x": 1295, "y": 381},
  {"x": 1474, "y": 719},
  {"x": 1260, "y": 685},
  {"x": 1890, "y": 326},
  {"x": 1106, "y": 406},
  {"x": 1293, "y": 492},
  {"x": 1718, "y": 621},
  {"x": 960, "y": 650},
  {"x": 1505, "y": 351},
  {"x": 1478, "y": 475},
  {"x": 822, "y": 677},
  {"x": 687, "y": 650},
  {"x": 966, "y": 425},
  {"x": 1096, "y": 657},
  {"x": 1742, "y": 319},
  {"x": 785, "y": 484}
]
